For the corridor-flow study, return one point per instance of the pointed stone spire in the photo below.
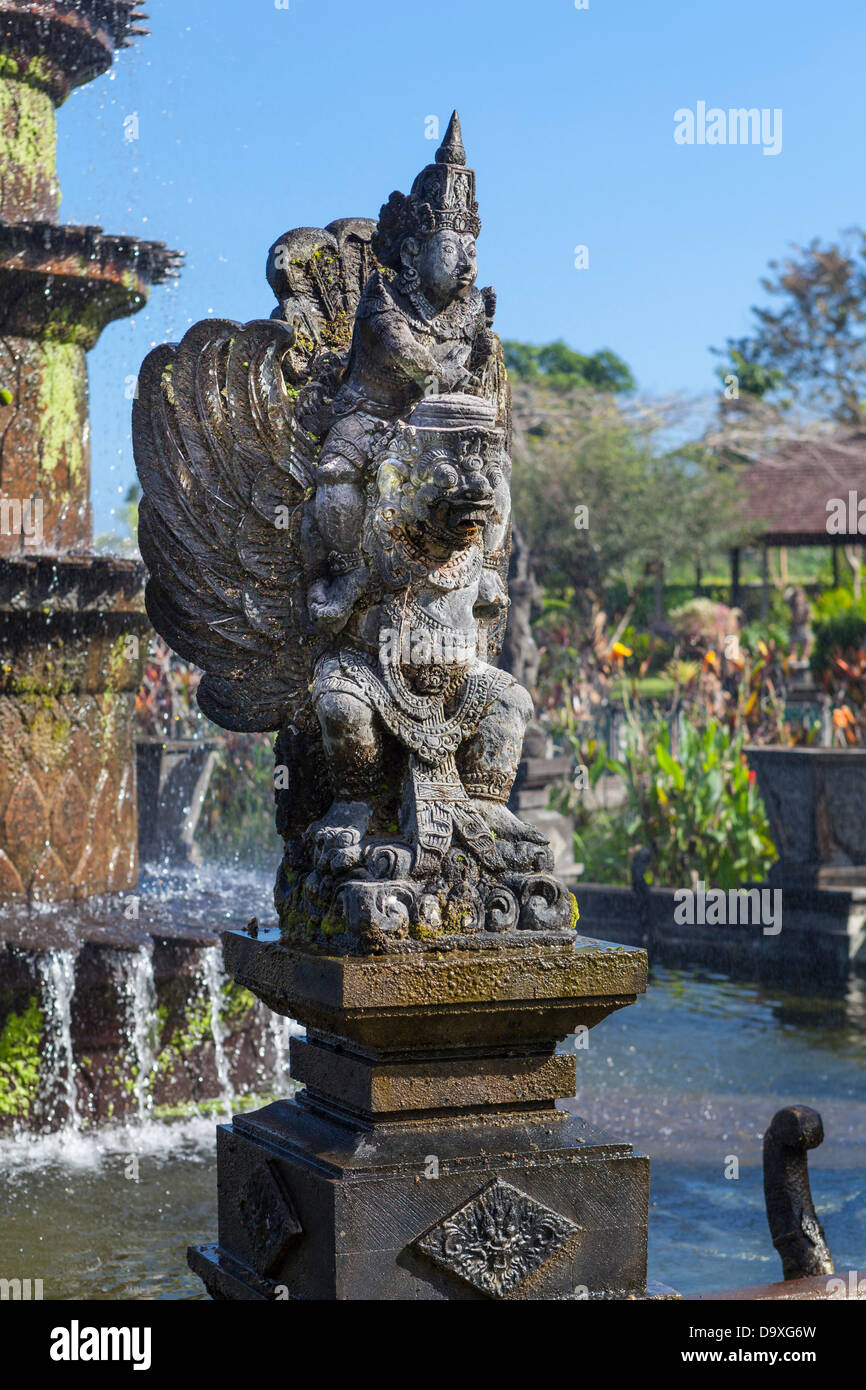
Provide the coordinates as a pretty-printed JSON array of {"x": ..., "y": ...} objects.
[
  {"x": 442, "y": 199},
  {"x": 451, "y": 150}
]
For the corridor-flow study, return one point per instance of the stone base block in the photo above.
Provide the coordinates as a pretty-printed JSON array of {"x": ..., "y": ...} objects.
[
  {"x": 535, "y": 1206},
  {"x": 380, "y": 1088}
]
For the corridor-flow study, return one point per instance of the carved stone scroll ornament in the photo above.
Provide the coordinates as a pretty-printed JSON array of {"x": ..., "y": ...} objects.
[{"x": 326, "y": 522}]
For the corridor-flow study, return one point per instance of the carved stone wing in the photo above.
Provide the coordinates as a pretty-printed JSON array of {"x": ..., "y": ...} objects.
[
  {"x": 225, "y": 467},
  {"x": 318, "y": 274}
]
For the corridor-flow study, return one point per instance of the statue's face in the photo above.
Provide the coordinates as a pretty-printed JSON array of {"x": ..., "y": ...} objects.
[
  {"x": 447, "y": 265},
  {"x": 457, "y": 492}
]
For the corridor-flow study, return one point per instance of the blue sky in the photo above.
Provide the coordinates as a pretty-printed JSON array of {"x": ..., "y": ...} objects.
[{"x": 253, "y": 119}]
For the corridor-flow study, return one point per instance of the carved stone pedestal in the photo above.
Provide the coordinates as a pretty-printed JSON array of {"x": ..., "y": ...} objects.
[{"x": 425, "y": 1156}]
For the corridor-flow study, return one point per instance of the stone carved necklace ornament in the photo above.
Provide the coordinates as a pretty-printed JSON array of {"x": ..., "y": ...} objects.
[{"x": 326, "y": 522}]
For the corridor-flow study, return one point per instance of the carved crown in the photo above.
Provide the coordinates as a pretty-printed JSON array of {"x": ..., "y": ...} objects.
[{"x": 442, "y": 197}]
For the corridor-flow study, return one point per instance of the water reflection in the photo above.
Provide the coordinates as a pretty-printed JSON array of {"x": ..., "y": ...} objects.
[{"x": 108, "y": 1215}]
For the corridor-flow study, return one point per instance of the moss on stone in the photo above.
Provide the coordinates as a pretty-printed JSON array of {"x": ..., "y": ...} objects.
[
  {"x": 236, "y": 1005},
  {"x": 575, "y": 912},
  {"x": 192, "y": 1031},
  {"x": 456, "y": 917},
  {"x": 20, "y": 1053},
  {"x": 116, "y": 664},
  {"x": 41, "y": 692},
  {"x": 338, "y": 333},
  {"x": 195, "y": 1028},
  {"x": 28, "y": 133},
  {"x": 184, "y": 1110},
  {"x": 332, "y": 926},
  {"x": 63, "y": 410},
  {"x": 49, "y": 732},
  {"x": 37, "y": 72}
]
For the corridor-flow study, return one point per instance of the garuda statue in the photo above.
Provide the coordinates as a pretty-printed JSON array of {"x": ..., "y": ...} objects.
[{"x": 325, "y": 520}]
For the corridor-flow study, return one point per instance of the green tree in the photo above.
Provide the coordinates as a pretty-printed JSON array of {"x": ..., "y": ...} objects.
[
  {"x": 604, "y": 503},
  {"x": 812, "y": 347},
  {"x": 558, "y": 366},
  {"x": 754, "y": 379}
]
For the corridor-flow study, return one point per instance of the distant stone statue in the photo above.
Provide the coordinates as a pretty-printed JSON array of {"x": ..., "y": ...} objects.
[
  {"x": 802, "y": 635},
  {"x": 325, "y": 519}
]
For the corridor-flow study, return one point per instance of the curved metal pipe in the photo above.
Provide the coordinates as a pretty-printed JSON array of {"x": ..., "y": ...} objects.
[{"x": 797, "y": 1233}]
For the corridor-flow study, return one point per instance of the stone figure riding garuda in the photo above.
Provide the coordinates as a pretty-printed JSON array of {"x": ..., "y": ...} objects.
[{"x": 326, "y": 522}]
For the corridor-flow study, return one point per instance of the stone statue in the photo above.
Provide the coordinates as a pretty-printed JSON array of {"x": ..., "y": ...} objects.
[
  {"x": 326, "y": 521},
  {"x": 802, "y": 633}
]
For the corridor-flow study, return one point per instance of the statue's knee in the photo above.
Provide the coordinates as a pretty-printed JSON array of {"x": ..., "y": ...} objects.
[
  {"x": 336, "y": 469},
  {"x": 342, "y": 716},
  {"x": 513, "y": 709}
]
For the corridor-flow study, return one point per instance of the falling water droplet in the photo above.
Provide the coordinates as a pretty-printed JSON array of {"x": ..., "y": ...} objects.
[
  {"x": 281, "y": 1030},
  {"x": 139, "y": 988},
  {"x": 213, "y": 977},
  {"x": 57, "y": 1084}
]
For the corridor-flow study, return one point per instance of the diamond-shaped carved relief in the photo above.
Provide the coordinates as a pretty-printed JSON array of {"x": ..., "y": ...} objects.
[
  {"x": 497, "y": 1238},
  {"x": 69, "y": 819},
  {"x": 269, "y": 1217},
  {"x": 10, "y": 880},
  {"x": 25, "y": 824},
  {"x": 50, "y": 879}
]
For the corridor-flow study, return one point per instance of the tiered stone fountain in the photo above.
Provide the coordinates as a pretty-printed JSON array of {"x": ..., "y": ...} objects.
[{"x": 72, "y": 637}]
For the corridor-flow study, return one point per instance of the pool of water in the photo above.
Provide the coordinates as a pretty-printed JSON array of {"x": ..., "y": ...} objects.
[
  {"x": 692, "y": 1075},
  {"x": 109, "y": 1216}
]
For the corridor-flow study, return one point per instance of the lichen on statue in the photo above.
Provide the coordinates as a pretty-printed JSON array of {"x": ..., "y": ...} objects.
[{"x": 327, "y": 537}]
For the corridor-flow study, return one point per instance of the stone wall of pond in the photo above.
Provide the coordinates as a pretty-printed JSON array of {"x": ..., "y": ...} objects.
[{"x": 99, "y": 1034}]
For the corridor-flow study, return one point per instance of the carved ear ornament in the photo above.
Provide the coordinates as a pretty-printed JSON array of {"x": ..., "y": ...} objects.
[{"x": 408, "y": 282}]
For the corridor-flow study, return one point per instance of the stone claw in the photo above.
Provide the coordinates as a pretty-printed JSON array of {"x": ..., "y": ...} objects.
[
  {"x": 521, "y": 846},
  {"x": 335, "y": 840},
  {"x": 335, "y": 849}
]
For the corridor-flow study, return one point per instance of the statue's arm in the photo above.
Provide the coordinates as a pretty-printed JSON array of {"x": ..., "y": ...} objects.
[
  {"x": 484, "y": 345},
  {"x": 339, "y": 507},
  {"x": 403, "y": 350},
  {"x": 493, "y": 593}
]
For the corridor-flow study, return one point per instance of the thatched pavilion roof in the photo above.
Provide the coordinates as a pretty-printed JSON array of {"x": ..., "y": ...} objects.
[{"x": 790, "y": 493}]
